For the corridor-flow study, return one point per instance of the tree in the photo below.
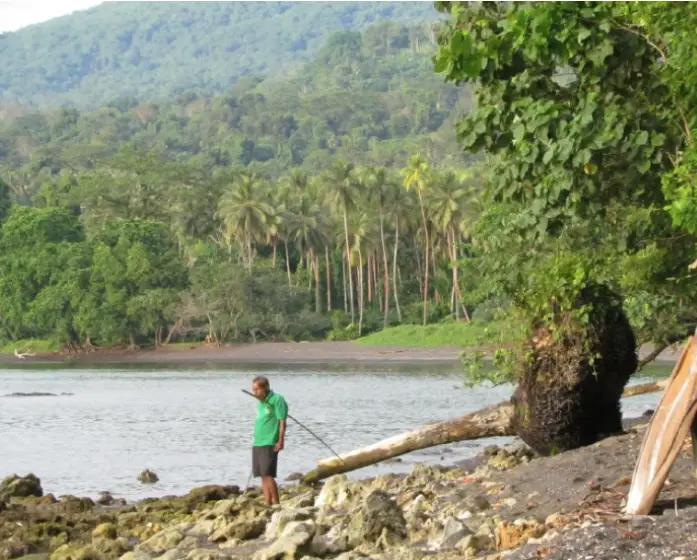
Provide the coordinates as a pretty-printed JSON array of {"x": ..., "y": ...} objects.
[
  {"x": 246, "y": 213},
  {"x": 566, "y": 111},
  {"x": 416, "y": 176},
  {"x": 135, "y": 282}
]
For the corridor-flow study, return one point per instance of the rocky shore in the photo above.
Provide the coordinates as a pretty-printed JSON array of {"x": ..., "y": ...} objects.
[{"x": 505, "y": 503}]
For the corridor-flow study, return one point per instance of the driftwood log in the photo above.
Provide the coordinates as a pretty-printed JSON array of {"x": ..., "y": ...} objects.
[{"x": 493, "y": 421}]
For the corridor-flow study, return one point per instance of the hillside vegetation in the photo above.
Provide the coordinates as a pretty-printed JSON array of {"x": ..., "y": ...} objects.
[
  {"x": 329, "y": 203},
  {"x": 364, "y": 98},
  {"x": 154, "y": 50}
]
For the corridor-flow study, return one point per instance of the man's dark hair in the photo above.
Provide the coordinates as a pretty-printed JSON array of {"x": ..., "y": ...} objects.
[{"x": 263, "y": 381}]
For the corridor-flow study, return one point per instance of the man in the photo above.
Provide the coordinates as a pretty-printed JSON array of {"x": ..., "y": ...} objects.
[{"x": 269, "y": 436}]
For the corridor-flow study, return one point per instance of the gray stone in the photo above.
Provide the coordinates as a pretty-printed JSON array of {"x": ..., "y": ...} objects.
[
  {"x": 453, "y": 533},
  {"x": 379, "y": 518},
  {"x": 281, "y": 518},
  {"x": 163, "y": 541}
]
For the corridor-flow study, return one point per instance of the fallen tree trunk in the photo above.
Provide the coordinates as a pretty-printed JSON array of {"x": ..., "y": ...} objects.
[
  {"x": 488, "y": 422},
  {"x": 493, "y": 421},
  {"x": 652, "y": 387}
]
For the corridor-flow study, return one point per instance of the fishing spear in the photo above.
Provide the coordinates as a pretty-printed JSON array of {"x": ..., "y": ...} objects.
[{"x": 302, "y": 426}]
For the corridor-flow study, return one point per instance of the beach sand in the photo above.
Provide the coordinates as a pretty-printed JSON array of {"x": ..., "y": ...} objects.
[{"x": 274, "y": 353}]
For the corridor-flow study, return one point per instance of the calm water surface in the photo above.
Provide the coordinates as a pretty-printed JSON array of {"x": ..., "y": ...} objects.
[{"x": 193, "y": 426}]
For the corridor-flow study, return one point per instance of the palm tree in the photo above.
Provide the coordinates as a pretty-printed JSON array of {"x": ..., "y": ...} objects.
[
  {"x": 380, "y": 185},
  {"x": 308, "y": 229},
  {"x": 246, "y": 213},
  {"x": 416, "y": 176},
  {"x": 362, "y": 244},
  {"x": 341, "y": 188},
  {"x": 447, "y": 203}
]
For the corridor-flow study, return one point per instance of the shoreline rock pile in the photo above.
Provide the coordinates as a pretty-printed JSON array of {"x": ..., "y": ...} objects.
[{"x": 510, "y": 505}]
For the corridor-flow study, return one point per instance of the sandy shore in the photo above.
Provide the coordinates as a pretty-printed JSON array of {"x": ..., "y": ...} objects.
[{"x": 275, "y": 353}]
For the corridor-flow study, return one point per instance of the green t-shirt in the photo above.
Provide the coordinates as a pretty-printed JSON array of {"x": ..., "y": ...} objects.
[{"x": 269, "y": 413}]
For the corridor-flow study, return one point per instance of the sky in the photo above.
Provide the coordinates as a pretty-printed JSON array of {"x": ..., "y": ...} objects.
[{"x": 19, "y": 13}]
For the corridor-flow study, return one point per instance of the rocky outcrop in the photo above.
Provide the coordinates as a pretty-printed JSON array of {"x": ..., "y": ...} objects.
[
  {"x": 511, "y": 502},
  {"x": 20, "y": 487}
]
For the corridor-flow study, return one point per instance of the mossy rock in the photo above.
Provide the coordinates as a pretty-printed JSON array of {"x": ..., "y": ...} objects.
[
  {"x": 20, "y": 487},
  {"x": 564, "y": 401},
  {"x": 105, "y": 531}
]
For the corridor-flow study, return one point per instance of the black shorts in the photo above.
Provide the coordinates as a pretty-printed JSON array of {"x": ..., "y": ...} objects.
[{"x": 264, "y": 461}]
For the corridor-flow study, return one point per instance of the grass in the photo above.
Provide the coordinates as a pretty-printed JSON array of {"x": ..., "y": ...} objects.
[
  {"x": 36, "y": 345},
  {"x": 442, "y": 334}
]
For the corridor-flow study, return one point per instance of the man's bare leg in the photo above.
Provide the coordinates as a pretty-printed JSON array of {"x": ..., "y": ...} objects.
[
  {"x": 265, "y": 489},
  {"x": 272, "y": 489}
]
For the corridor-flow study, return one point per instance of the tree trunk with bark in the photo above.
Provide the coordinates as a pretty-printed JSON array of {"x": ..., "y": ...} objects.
[
  {"x": 489, "y": 422},
  {"x": 329, "y": 278},
  {"x": 493, "y": 421},
  {"x": 394, "y": 271}
]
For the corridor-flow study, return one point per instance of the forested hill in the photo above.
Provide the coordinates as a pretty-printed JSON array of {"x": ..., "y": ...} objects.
[
  {"x": 369, "y": 97},
  {"x": 153, "y": 50}
]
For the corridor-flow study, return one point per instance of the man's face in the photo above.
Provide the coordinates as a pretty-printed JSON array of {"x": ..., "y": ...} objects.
[{"x": 258, "y": 391}]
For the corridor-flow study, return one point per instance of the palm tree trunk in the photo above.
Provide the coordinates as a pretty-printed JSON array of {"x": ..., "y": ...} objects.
[
  {"x": 419, "y": 275},
  {"x": 426, "y": 258},
  {"x": 343, "y": 276},
  {"x": 376, "y": 274},
  {"x": 348, "y": 261},
  {"x": 453, "y": 257},
  {"x": 394, "y": 271},
  {"x": 329, "y": 278},
  {"x": 318, "y": 294},
  {"x": 370, "y": 279},
  {"x": 384, "y": 265},
  {"x": 456, "y": 279},
  {"x": 360, "y": 294},
  {"x": 285, "y": 243},
  {"x": 273, "y": 259}
]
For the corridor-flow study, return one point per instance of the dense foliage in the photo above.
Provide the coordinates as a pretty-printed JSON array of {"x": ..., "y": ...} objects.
[
  {"x": 290, "y": 208},
  {"x": 370, "y": 98},
  {"x": 585, "y": 113},
  {"x": 155, "y": 50}
]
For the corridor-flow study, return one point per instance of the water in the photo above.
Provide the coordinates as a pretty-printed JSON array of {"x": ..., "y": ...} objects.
[{"x": 193, "y": 426}]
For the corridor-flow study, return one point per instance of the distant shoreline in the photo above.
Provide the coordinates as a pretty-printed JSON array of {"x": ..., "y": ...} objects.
[{"x": 267, "y": 353}]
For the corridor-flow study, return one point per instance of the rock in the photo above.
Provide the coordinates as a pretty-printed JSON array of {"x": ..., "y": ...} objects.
[
  {"x": 105, "y": 499},
  {"x": 335, "y": 541},
  {"x": 111, "y": 548},
  {"x": 210, "y": 493},
  {"x": 71, "y": 504},
  {"x": 20, "y": 487},
  {"x": 162, "y": 541},
  {"x": 136, "y": 555},
  {"x": 453, "y": 533},
  {"x": 285, "y": 547},
  {"x": 105, "y": 531},
  {"x": 205, "y": 554},
  {"x": 292, "y": 477},
  {"x": 283, "y": 517},
  {"x": 474, "y": 504},
  {"x": 557, "y": 520},
  {"x": 302, "y": 501},
  {"x": 516, "y": 534},
  {"x": 174, "y": 554},
  {"x": 472, "y": 545},
  {"x": 240, "y": 530},
  {"x": 379, "y": 519},
  {"x": 13, "y": 548},
  {"x": 148, "y": 477},
  {"x": 337, "y": 491}
]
